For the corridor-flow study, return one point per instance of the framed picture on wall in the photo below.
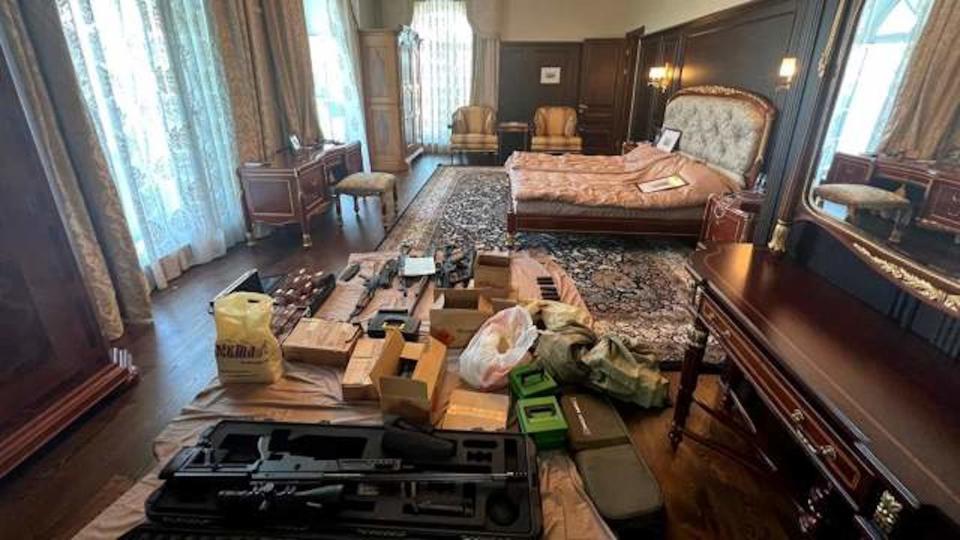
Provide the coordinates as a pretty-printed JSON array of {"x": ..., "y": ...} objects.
[
  {"x": 550, "y": 75},
  {"x": 668, "y": 139}
]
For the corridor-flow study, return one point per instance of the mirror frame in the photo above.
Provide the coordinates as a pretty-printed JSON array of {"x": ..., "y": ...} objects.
[{"x": 931, "y": 287}]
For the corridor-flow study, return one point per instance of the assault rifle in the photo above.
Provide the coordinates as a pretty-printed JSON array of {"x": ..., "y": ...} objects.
[
  {"x": 456, "y": 266},
  {"x": 382, "y": 280},
  {"x": 280, "y": 481}
]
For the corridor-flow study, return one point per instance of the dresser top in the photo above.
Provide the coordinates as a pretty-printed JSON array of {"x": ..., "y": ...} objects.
[{"x": 898, "y": 390}]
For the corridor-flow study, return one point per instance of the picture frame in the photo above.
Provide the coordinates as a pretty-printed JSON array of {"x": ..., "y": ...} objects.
[
  {"x": 668, "y": 139},
  {"x": 295, "y": 143},
  {"x": 550, "y": 75}
]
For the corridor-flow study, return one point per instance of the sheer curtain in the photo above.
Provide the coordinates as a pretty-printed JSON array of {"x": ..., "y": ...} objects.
[
  {"x": 335, "y": 59},
  {"x": 150, "y": 77},
  {"x": 445, "y": 65}
]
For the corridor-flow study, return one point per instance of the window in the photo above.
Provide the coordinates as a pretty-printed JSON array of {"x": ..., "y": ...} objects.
[
  {"x": 445, "y": 65},
  {"x": 888, "y": 29},
  {"x": 335, "y": 73},
  {"x": 150, "y": 77}
]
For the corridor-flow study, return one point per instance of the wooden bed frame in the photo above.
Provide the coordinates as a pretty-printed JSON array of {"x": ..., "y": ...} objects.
[{"x": 518, "y": 221}]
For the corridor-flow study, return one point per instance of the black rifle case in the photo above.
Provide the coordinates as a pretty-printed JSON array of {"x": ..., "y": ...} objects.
[{"x": 286, "y": 480}]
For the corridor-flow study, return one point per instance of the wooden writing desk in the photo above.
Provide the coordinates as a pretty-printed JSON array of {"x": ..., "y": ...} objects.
[
  {"x": 874, "y": 408},
  {"x": 292, "y": 188}
]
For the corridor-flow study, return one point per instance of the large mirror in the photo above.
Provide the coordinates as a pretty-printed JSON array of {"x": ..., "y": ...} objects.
[{"x": 887, "y": 170}]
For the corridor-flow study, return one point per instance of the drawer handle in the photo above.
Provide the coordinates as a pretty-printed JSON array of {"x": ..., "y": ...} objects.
[{"x": 826, "y": 451}]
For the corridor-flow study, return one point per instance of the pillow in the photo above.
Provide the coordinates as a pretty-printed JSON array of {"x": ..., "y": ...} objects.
[{"x": 643, "y": 153}]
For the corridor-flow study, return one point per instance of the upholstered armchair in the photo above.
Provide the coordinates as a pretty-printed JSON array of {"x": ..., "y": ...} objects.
[
  {"x": 474, "y": 130},
  {"x": 555, "y": 130}
]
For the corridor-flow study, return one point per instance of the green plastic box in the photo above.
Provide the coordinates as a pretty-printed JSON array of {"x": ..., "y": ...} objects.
[
  {"x": 528, "y": 380},
  {"x": 542, "y": 419}
]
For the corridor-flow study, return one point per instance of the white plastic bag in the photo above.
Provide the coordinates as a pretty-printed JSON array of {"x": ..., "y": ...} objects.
[
  {"x": 497, "y": 347},
  {"x": 246, "y": 349}
]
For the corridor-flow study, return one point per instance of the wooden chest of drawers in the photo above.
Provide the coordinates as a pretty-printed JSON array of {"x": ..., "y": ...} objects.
[{"x": 730, "y": 217}]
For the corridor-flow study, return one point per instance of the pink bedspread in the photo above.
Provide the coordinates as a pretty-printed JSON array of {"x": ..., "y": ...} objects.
[{"x": 612, "y": 180}]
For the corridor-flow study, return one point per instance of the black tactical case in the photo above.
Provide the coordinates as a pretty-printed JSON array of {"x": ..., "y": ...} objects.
[
  {"x": 507, "y": 506},
  {"x": 618, "y": 481}
]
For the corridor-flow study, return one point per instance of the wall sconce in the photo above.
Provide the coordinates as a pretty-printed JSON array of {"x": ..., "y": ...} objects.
[
  {"x": 788, "y": 70},
  {"x": 659, "y": 77}
]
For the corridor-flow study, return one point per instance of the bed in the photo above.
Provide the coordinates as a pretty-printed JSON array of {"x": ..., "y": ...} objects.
[{"x": 724, "y": 137}]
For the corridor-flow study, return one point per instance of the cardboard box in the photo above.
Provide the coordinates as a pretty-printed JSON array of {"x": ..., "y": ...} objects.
[
  {"x": 356, "y": 384},
  {"x": 477, "y": 410},
  {"x": 500, "y": 298},
  {"x": 492, "y": 269},
  {"x": 409, "y": 396},
  {"x": 457, "y": 314},
  {"x": 319, "y": 341}
]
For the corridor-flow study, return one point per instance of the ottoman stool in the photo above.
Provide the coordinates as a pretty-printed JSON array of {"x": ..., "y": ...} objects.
[
  {"x": 857, "y": 197},
  {"x": 364, "y": 184}
]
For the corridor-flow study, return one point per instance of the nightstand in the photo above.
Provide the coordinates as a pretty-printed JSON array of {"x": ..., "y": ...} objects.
[{"x": 730, "y": 217}]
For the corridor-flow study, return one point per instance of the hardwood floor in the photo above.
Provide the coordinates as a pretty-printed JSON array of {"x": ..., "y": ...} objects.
[{"x": 84, "y": 469}]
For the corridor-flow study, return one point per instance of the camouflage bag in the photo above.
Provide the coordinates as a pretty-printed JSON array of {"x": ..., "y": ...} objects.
[{"x": 627, "y": 371}]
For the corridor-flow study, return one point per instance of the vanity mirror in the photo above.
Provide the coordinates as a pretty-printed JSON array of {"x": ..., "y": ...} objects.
[{"x": 882, "y": 164}]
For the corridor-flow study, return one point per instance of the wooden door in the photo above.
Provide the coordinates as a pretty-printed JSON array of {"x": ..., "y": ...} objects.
[
  {"x": 601, "y": 81},
  {"x": 631, "y": 81}
]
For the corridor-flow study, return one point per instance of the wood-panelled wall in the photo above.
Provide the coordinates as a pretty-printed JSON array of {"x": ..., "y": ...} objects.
[
  {"x": 520, "y": 89},
  {"x": 741, "y": 47}
]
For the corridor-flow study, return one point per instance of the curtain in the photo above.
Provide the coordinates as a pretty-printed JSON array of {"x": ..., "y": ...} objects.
[
  {"x": 266, "y": 60},
  {"x": 335, "y": 56},
  {"x": 887, "y": 32},
  {"x": 925, "y": 121},
  {"x": 75, "y": 163},
  {"x": 445, "y": 65},
  {"x": 150, "y": 77},
  {"x": 484, "y": 17}
]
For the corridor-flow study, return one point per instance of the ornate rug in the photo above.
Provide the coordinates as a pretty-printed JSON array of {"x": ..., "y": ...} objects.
[{"x": 634, "y": 287}]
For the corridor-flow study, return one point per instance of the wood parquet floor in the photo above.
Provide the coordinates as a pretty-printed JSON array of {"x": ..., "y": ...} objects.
[{"x": 84, "y": 469}]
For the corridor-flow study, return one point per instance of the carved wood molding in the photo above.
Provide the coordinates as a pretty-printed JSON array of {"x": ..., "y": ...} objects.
[{"x": 917, "y": 283}]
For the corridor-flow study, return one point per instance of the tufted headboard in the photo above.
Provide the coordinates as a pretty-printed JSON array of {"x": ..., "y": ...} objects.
[{"x": 725, "y": 127}]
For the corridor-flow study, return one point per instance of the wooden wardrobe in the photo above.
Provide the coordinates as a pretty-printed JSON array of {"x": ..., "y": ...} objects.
[
  {"x": 391, "y": 97},
  {"x": 56, "y": 364}
]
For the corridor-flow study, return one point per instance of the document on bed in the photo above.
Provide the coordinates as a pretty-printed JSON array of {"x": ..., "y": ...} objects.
[{"x": 673, "y": 181}]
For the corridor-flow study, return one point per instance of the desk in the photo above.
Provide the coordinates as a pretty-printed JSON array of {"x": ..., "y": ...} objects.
[
  {"x": 292, "y": 188},
  {"x": 872, "y": 407},
  {"x": 939, "y": 209}
]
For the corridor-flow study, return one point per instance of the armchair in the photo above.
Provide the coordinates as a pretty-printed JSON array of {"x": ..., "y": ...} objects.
[
  {"x": 474, "y": 130},
  {"x": 555, "y": 130}
]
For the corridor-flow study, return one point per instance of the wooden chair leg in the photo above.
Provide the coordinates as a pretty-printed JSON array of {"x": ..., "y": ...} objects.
[
  {"x": 383, "y": 210},
  {"x": 898, "y": 223},
  {"x": 336, "y": 204},
  {"x": 356, "y": 204},
  {"x": 396, "y": 202}
]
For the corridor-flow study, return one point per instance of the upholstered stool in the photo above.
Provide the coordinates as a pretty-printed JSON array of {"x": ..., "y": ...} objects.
[
  {"x": 858, "y": 197},
  {"x": 364, "y": 184}
]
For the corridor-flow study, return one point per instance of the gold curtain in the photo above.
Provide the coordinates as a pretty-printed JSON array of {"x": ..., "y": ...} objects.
[
  {"x": 266, "y": 59},
  {"x": 86, "y": 194},
  {"x": 925, "y": 121}
]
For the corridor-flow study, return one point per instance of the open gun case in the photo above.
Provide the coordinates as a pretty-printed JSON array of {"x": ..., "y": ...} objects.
[{"x": 284, "y": 480}]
